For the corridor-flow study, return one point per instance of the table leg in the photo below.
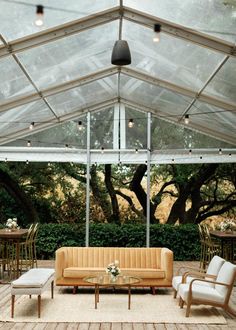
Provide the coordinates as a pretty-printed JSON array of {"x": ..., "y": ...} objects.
[
  {"x": 96, "y": 295},
  {"x": 17, "y": 258},
  {"x": 129, "y": 298}
]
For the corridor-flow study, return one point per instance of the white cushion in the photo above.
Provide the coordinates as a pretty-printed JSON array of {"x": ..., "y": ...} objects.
[
  {"x": 177, "y": 280},
  {"x": 213, "y": 269},
  {"x": 226, "y": 275},
  {"x": 215, "y": 265},
  {"x": 34, "y": 278},
  {"x": 200, "y": 292}
]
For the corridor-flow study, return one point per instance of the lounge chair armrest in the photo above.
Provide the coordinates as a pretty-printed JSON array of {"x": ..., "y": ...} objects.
[
  {"x": 207, "y": 281},
  {"x": 199, "y": 270}
]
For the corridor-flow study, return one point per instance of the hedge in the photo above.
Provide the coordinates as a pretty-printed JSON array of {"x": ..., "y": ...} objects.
[{"x": 183, "y": 240}]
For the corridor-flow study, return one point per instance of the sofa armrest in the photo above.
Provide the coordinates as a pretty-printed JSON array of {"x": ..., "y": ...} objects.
[
  {"x": 167, "y": 262},
  {"x": 60, "y": 262}
]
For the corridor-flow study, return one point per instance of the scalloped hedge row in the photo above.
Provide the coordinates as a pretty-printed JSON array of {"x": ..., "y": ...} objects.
[{"x": 183, "y": 240}]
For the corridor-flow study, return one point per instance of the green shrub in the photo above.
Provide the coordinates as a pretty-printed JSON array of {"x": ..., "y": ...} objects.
[{"x": 183, "y": 240}]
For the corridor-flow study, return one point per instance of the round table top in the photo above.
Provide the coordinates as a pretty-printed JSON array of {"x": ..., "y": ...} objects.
[{"x": 105, "y": 279}]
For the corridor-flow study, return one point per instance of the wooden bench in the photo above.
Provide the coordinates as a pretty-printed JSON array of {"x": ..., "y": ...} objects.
[{"x": 34, "y": 281}]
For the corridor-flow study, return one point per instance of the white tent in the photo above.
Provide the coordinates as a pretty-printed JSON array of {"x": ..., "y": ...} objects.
[
  {"x": 61, "y": 99},
  {"x": 61, "y": 73}
]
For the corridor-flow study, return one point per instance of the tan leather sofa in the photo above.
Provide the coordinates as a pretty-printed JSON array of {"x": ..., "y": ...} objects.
[{"x": 153, "y": 265}]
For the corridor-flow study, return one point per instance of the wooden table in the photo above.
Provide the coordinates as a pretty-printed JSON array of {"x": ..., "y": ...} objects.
[
  {"x": 225, "y": 238},
  {"x": 106, "y": 281},
  {"x": 15, "y": 237}
]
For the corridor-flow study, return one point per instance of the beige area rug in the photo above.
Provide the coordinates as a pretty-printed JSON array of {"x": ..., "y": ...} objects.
[{"x": 113, "y": 307}]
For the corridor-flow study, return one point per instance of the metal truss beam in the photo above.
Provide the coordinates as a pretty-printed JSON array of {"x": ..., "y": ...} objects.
[
  {"x": 55, "y": 122},
  {"x": 134, "y": 73},
  {"x": 180, "y": 156},
  {"x": 180, "y": 31},
  {"x": 110, "y": 15},
  {"x": 61, "y": 31},
  {"x": 175, "y": 119},
  {"x": 18, "y": 101}
]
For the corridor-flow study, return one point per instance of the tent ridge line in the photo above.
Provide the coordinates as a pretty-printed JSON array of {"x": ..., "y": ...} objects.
[
  {"x": 60, "y": 31},
  {"x": 180, "y": 31},
  {"x": 137, "y": 74},
  {"x": 57, "y": 121},
  {"x": 109, "y": 15},
  {"x": 174, "y": 120},
  {"x": 18, "y": 101}
]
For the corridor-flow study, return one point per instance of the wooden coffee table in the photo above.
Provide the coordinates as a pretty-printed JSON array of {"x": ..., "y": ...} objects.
[{"x": 102, "y": 280}]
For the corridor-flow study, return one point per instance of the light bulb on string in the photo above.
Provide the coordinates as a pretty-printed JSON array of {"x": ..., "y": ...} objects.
[
  {"x": 66, "y": 146},
  {"x": 190, "y": 152},
  {"x": 28, "y": 143},
  {"x": 220, "y": 151},
  {"x": 157, "y": 30},
  {"x": 230, "y": 155},
  {"x": 131, "y": 123},
  {"x": 136, "y": 151},
  {"x": 102, "y": 150},
  {"x": 39, "y": 15},
  {"x": 31, "y": 126},
  {"x": 27, "y": 162},
  {"x": 5, "y": 160},
  {"x": 80, "y": 125},
  {"x": 186, "y": 119}
]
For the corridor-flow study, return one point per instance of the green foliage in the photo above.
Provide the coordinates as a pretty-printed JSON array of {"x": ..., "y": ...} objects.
[
  {"x": 52, "y": 236},
  {"x": 183, "y": 240}
]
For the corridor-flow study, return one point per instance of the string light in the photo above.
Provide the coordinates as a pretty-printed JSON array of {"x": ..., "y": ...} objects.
[
  {"x": 136, "y": 151},
  {"x": 80, "y": 125},
  {"x": 28, "y": 143},
  {"x": 230, "y": 155},
  {"x": 190, "y": 152},
  {"x": 5, "y": 160},
  {"x": 186, "y": 119},
  {"x": 39, "y": 15},
  {"x": 157, "y": 30},
  {"x": 27, "y": 162},
  {"x": 102, "y": 150},
  {"x": 67, "y": 146},
  {"x": 31, "y": 126},
  {"x": 131, "y": 123},
  {"x": 220, "y": 151}
]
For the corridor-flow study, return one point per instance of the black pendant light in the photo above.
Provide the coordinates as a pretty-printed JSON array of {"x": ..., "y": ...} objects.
[{"x": 121, "y": 53}]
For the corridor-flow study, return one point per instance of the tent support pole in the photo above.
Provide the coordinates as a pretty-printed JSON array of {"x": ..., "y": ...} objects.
[
  {"x": 148, "y": 178},
  {"x": 87, "y": 181}
]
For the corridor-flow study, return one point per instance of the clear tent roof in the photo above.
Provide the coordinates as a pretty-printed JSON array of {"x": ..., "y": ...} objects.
[{"x": 55, "y": 74}]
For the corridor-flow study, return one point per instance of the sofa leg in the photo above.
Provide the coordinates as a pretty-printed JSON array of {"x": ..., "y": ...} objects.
[
  {"x": 175, "y": 294},
  {"x": 75, "y": 289},
  {"x": 153, "y": 290}
]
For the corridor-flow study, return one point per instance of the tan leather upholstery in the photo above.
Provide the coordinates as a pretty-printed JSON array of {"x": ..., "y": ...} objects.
[{"x": 153, "y": 265}]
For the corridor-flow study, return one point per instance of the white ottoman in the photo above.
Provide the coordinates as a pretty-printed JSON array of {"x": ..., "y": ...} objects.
[{"x": 34, "y": 281}]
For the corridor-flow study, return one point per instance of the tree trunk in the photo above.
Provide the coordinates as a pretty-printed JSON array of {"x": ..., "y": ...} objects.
[
  {"x": 190, "y": 189},
  {"x": 115, "y": 217},
  {"x": 98, "y": 196},
  {"x": 140, "y": 193},
  {"x": 18, "y": 194}
]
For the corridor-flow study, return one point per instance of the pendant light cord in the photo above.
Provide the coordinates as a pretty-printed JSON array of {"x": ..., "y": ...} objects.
[{"x": 121, "y": 19}]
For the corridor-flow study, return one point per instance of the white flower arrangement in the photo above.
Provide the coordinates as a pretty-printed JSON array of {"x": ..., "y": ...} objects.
[
  {"x": 113, "y": 268},
  {"x": 12, "y": 223},
  {"x": 226, "y": 225}
]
